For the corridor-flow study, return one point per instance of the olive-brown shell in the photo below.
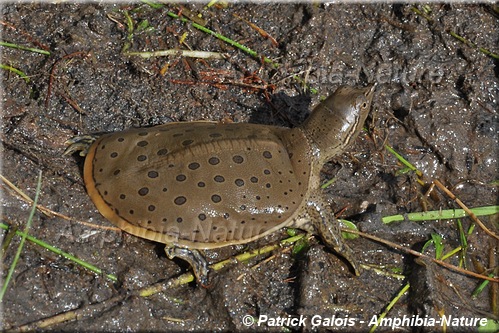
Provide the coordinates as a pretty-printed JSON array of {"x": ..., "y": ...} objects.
[{"x": 197, "y": 184}]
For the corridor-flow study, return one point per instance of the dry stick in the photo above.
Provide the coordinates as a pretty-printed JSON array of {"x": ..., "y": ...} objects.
[
  {"x": 419, "y": 254},
  {"x": 466, "y": 209},
  {"x": 90, "y": 310},
  {"x": 75, "y": 106},
  {"x": 93, "y": 309},
  {"x": 51, "y": 213},
  {"x": 78, "y": 314},
  {"x": 51, "y": 79}
]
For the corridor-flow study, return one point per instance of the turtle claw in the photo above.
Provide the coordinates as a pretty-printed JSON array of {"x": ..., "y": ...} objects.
[
  {"x": 195, "y": 260},
  {"x": 79, "y": 143}
]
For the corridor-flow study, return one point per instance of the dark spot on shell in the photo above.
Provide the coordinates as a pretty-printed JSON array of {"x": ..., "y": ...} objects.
[
  {"x": 216, "y": 198},
  {"x": 131, "y": 211},
  {"x": 162, "y": 151},
  {"x": 193, "y": 165},
  {"x": 266, "y": 171},
  {"x": 257, "y": 197},
  {"x": 202, "y": 217},
  {"x": 181, "y": 178},
  {"x": 149, "y": 222},
  {"x": 243, "y": 207},
  {"x": 201, "y": 184},
  {"x": 179, "y": 219},
  {"x": 164, "y": 219},
  {"x": 290, "y": 155},
  {"x": 180, "y": 200},
  {"x": 152, "y": 174},
  {"x": 238, "y": 159},
  {"x": 141, "y": 158},
  {"x": 142, "y": 143},
  {"x": 117, "y": 211},
  {"x": 143, "y": 133},
  {"x": 187, "y": 142},
  {"x": 116, "y": 172},
  {"x": 214, "y": 160},
  {"x": 226, "y": 216},
  {"x": 267, "y": 154},
  {"x": 114, "y": 154},
  {"x": 100, "y": 170},
  {"x": 243, "y": 222},
  {"x": 120, "y": 139},
  {"x": 105, "y": 192},
  {"x": 239, "y": 182},
  {"x": 143, "y": 191},
  {"x": 151, "y": 208},
  {"x": 215, "y": 135},
  {"x": 122, "y": 196},
  {"x": 214, "y": 227},
  {"x": 268, "y": 185},
  {"x": 219, "y": 179},
  {"x": 165, "y": 189},
  {"x": 254, "y": 179}
]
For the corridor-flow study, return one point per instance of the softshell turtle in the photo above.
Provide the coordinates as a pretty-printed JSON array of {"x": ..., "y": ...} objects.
[{"x": 204, "y": 185}]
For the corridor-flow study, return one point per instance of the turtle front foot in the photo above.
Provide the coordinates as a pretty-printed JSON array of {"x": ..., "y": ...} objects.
[
  {"x": 79, "y": 143},
  {"x": 195, "y": 260}
]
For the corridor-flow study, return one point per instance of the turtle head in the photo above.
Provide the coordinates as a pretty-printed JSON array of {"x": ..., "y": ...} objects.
[{"x": 336, "y": 122}]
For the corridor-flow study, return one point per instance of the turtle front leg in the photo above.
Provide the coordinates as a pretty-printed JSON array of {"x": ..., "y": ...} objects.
[
  {"x": 195, "y": 260},
  {"x": 79, "y": 143},
  {"x": 328, "y": 228}
]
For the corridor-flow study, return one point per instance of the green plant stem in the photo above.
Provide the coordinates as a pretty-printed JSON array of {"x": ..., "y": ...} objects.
[{"x": 441, "y": 214}]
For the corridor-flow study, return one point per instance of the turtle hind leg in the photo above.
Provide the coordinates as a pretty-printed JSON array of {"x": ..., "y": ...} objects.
[
  {"x": 79, "y": 143},
  {"x": 195, "y": 260}
]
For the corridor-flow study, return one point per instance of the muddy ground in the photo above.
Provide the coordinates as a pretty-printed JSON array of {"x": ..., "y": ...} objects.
[{"x": 436, "y": 104}]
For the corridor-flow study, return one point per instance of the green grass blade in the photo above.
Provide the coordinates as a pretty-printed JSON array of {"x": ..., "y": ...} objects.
[
  {"x": 225, "y": 39},
  {"x": 403, "y": 160},
  {"x": 61, "y": 253},
  {"x": 15, "y": 70},
  {"x": 24, "y": 48},
  {"x": 23, "y": 238}
]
